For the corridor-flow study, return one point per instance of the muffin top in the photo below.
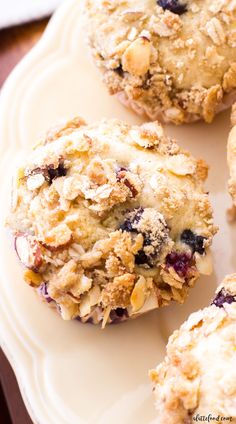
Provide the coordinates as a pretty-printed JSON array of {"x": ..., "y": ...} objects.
[
  {"x": 170, "y": 58},
  {"x": 198, "y": 375},
  {"x": 108, "y": 215}
]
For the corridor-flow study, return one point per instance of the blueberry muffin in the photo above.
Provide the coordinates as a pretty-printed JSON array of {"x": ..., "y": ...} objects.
[
  {"x": 232, "y": 162},
  {"x": 173, "y": 60},
  {"x": 111, "y": 220},
  {"x": 198, "y": 375}
]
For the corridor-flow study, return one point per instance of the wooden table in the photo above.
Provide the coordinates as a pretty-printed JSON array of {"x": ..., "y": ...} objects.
[{"x": 14, "y": 44}]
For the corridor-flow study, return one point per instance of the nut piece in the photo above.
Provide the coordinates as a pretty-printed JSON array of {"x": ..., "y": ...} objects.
[
  {"x": 29, "y": 251},
  {"x": 204, "y": 263},
  {"x": 35, "y": 181},
  {"x": 136, "y": 59},
  {"x": 91, "y": 299},
  {"x": 174, "y": 114},
  {"x": 57, "y": 238},
  {"x": 139, "y": 294},
  {"x": 181, "y": 165},
  {"x": 32, "y": 278}
]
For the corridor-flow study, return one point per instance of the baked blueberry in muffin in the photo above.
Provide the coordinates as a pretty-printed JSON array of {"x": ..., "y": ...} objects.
[
  {"x": 173, "y": 60},
  {"x": 175, "y": 6},
  {"x": 111, "y": 220}
]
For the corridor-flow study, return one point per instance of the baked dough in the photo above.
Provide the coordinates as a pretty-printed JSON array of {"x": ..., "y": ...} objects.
[
  {"x": 198, "y": 376},
  {"x": 111, "y": 220},
  {"x": 173, "y": 60}
]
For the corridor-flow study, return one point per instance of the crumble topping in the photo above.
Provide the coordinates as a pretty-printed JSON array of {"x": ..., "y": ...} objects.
[
  {"x": 168, "y": 59},
  {"x": 188, "y": 383},
  {"x": 111, "y": 220}
]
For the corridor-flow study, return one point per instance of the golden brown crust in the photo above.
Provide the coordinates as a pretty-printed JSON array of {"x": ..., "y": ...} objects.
[
  {"x": 64, "y": 128},
  {"x": 103, "y": 206}
]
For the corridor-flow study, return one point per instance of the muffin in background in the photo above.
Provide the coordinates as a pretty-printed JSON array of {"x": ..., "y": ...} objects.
[
  {"x": 172, "y": 60},
  {"x": 231, "y": 154},
  {"x": 198, "y": 375}
]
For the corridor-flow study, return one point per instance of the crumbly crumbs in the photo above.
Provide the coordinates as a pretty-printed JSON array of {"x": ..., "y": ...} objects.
[
  {"x": 182, "y": 382},
  {"x": 117, "y": 294},
  {"x": 96, "y": 212},
  {"x": 64, "y": 128},
  {"x": 229, "y": 81},
  {"x": 202, "y": 170}
]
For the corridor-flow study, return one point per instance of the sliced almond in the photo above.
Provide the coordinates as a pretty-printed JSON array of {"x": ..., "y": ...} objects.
[
  {"x": 35, "y": 181},
  {"x": 92, "y": 298},
  {"x": 106, "y": 315},
  {"x": 82, "y": 286},
  {"x": 84, "y": 307},
  {"x": 85, "y": 283},
  {"x": 139, "y": 294},
  {"x": 136, "y": 59},
  {"x": 29, "y": 251},
  {"x": 90, "y": 258},
  {"x": 204, "y": 263},
  {"x": 68, "y": 311},
  {"x": 150, "y": 303},
  {"x": 181, "y": 165},
  {"x": 94, "y": 295}
]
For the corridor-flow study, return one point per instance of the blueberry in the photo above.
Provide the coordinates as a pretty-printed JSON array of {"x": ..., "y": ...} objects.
[
  {"x": 180, "y": 261},
  {"x": 130, "y": 224},
  {"x": 119, "y": 71},
  {"x": 53, "y": 173},
  {"x": 223, "y": 297},
  {"x": 141, "y": 258},
  {"x": 193, "y": 240},
  {"x": 43, "y": 291},
  {"x": 50, "y": 172},
  {"x": 118, "y": 315},
  {"x": 174, "y": 6},
  {"x": 154, "y": 230}
]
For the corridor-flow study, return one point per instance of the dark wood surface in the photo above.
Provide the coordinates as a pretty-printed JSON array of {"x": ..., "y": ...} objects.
[{"x": 14, "y": 44}]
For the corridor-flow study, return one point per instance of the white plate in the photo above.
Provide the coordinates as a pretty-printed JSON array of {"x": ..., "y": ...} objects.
[{"x": 71, "y": 373}]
